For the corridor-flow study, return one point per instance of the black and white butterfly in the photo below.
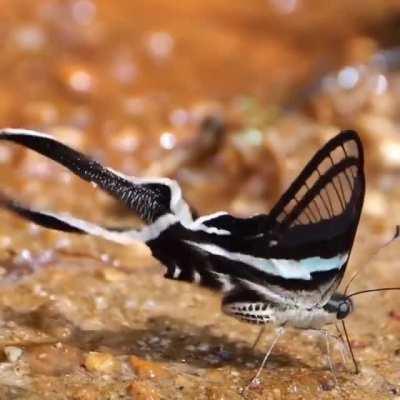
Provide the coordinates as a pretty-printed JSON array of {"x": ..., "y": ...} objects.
[{"x": 282, "y": 268}]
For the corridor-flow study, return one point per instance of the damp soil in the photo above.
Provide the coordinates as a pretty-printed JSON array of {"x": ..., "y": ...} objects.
[{"x": 231, "y": 99}]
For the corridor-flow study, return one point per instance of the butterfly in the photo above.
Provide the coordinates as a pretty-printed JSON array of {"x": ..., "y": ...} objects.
[{"x": 281, "y": 268}]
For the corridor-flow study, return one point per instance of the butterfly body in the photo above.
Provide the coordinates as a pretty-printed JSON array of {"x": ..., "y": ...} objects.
[
  {"x": 295, "y": 316},
  {"x": 269, "y": 313}
]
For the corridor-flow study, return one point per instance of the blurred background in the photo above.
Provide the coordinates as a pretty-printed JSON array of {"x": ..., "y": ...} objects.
[
  {"x": 229, "y": 98},
  {"x": 201, "y": 91},
  {"x": 209, "y": 93}
]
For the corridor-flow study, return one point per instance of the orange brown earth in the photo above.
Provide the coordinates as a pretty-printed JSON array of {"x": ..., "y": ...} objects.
[{"x": 230, "y": 99}]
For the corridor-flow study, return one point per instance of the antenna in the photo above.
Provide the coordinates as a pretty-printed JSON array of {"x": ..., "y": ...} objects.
[
  {"x": 374, "y": 254},
  {"x": 373, "y": 290}
]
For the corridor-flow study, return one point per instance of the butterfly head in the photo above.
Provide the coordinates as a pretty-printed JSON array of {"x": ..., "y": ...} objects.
[
  {"x": 345, "y": 307},
  {"x": 340, "y": 305}
]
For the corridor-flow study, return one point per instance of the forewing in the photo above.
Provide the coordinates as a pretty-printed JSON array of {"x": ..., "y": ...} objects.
[
  {"x": 315, "y": 221},
  {"x": 329, "y": 189}
]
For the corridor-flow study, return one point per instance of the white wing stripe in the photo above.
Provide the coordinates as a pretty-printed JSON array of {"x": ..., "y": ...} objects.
[
  {"x": 289, "y": 269},
  {"x": 147, "y": 233}
]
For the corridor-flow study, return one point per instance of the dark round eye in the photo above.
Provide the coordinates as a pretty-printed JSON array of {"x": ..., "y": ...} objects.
[{"x": 343, "y": 310}]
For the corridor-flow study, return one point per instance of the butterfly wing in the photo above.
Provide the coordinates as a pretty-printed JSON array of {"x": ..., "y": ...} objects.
[
  {"x": 298, "y": 253},
  {"x": 313, "y": 225},
  {"x": 149, "y": 198}
]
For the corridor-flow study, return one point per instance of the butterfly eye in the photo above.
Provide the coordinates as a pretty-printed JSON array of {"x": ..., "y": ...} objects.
[{"x": 343, "y": 310}]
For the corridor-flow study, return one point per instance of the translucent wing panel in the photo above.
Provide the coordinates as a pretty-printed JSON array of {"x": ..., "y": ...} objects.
[{"x": 331, "y": 185}]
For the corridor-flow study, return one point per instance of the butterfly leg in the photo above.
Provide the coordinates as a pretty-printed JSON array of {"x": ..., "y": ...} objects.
[
  {"x": 255, "y": 380},
  {"x": 327, "y": 336},
  {"x": 344, "y": 352},
  {"x": 258, "y": 338}
]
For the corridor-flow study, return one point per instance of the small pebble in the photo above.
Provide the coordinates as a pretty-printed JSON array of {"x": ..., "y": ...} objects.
[
  {"x": 327, "y": 385},
  {"x": 13, "y": 353},
  {"x": 101, "y": 362},
  {"x": 204, "y": 347},
  {"x": 148, "y": 369}
]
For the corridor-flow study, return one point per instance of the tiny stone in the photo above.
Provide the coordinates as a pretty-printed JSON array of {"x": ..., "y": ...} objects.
[
  {"x": 13, "y": 353},
  {"x": 101, "y": 362},
  {"x": 148, "y": 369},
  {"x": 154, "y": 340},
  {"x": 204, "y": 347},
  {"x": 327, "y": 385}
]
